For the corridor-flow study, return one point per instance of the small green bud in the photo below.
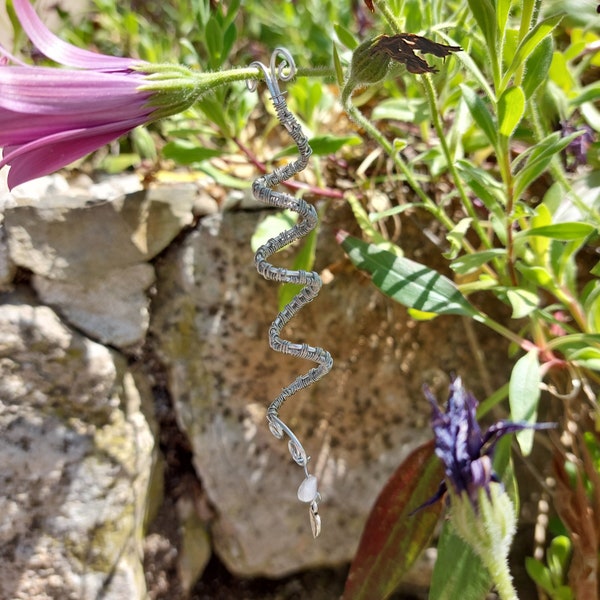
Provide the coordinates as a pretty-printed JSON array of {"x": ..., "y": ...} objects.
[{"x": 369, "y": 64}]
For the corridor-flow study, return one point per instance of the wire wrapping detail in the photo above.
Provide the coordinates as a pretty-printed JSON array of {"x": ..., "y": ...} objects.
[{"x": 262, "y": 189}]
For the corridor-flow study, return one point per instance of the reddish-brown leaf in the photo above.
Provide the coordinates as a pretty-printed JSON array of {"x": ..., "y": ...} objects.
[
  {"x": 578, "y": 517},
  {"x": 370, "y": 6},
  {"x": 393, "y": 538}
]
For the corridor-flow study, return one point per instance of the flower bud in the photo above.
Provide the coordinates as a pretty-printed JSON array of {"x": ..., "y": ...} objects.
[{"x": 369, "y": 64}]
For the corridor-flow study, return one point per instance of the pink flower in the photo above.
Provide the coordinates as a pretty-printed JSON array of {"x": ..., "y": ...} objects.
[{"x": 50, "y": 117}]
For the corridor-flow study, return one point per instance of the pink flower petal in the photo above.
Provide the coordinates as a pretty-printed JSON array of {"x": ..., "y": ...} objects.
[
  {"x": 48, "y": 154},
  {"x": 62, "y": 52},
  {"x": 45, "y": 90}
]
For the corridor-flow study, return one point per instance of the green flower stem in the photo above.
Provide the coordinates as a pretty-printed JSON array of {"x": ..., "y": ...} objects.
[
  {"x": 437, "y": 123},
  {"x": 361, "y": 120},
  {"x": 503, "y": 331},
  {"x": 384, "y": 9}
]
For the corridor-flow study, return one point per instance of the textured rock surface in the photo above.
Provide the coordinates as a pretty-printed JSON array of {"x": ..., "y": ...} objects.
[
  {"x": 210, "y": 320},
  {"x": 90, "y": 257},
  {"x": 76, "y": 451}
]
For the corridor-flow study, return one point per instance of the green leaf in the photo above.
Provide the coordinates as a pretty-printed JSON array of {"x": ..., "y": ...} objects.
[
  {"x": 565, "y": 232},
  {"x": 323, "y": 145},
  {"x": 523, "y": 302},
  {"x": 455, "y": 237},
  {"x": 469, "y": 263},
  {"x": 485, "y": 15},
  {"x": 345, "y": 36},
  {"x": 539, "y": 573},
  {"x": 186, "y": 152},
  {"x": 337, "y": 63},
  {"x": 539, "y": 158},
  {"x": 529, "y": 43},
  {"x": 511, "y": 107},
  {"x": 538, "y": 66},
  {"x": 480, "y": 113},
  {"x": 590, "y": 93},
  {"x": 524, "y": 395},
  {"x": 393, "y": 537},
  {"x": 408, "y": 282},
  {"x": 271, "y": 226},
  {"x": 458, "y": 571},
  {"x": 213, "y": 37}
]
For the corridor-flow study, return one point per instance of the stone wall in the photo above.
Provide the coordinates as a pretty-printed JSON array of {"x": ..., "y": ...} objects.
[{"x": 98, "y": 279}]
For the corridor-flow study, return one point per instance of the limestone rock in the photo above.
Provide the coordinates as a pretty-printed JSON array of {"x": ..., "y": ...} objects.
[
  {"x": 210, "y": 320},
  {"x": 90, "y": 257},
  {"x": 77, "y": 452}
]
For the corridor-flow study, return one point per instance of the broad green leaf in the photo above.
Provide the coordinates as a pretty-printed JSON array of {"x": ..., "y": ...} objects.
[
  {"x": 394, "y": 537},
  {"x": 458, "y": 571},
  {"x": 468, "y": 263},
  {"x": 408, "y": 282},
  {"x": 345, "y": 36},
  {"x": 511, "y": 106},
  {"x": 565, "y": 232},
  {"x": 538, "y": 66},
  {"x": 529, "y": 44},
  {"x": 480, "y": 113},
  {"x": 524, "y": 395},
  {"x": 186, "y": 152},
  {"x": 523, "y": 302}
]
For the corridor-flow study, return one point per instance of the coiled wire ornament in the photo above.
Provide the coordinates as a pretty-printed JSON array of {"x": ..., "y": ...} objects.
[{"x": 262, "y": 189}]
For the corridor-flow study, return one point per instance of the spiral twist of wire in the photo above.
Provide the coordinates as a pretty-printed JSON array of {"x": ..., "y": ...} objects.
[{"x": 263, "y": 190}]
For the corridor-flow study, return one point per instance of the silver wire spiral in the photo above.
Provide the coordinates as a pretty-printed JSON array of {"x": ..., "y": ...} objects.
[{"x": 262, "y": 189}]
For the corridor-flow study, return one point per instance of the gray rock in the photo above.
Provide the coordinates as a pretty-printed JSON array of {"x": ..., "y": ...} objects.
[
  {"x": 77, "y": 452},
  {"x": 210, "y": 318},
  {"x": 90, "y": 257}
]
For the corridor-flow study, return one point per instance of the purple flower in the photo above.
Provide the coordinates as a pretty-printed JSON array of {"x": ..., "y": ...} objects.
[
  {"x": 466, "y": 452},
  {"x": 50, "y": 117}
]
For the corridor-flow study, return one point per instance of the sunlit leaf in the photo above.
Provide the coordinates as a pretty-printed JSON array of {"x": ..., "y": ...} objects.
[
  {"x": 393, "y": 538},
  {"x": 511, "y": 106},
  {"x": 523, "y": 302},
  {"x": 529, "y": 44},
  {"x": 408, "y": 282},
  {"x": 565, "y": 232},
  {"x": 524, "y": 395}
]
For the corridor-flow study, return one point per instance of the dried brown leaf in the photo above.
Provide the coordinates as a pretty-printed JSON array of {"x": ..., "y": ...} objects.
[{"x": 401, "y": 48}]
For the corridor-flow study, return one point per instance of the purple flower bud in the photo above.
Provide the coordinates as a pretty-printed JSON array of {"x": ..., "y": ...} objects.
[{"x": 466, "y": 452}]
